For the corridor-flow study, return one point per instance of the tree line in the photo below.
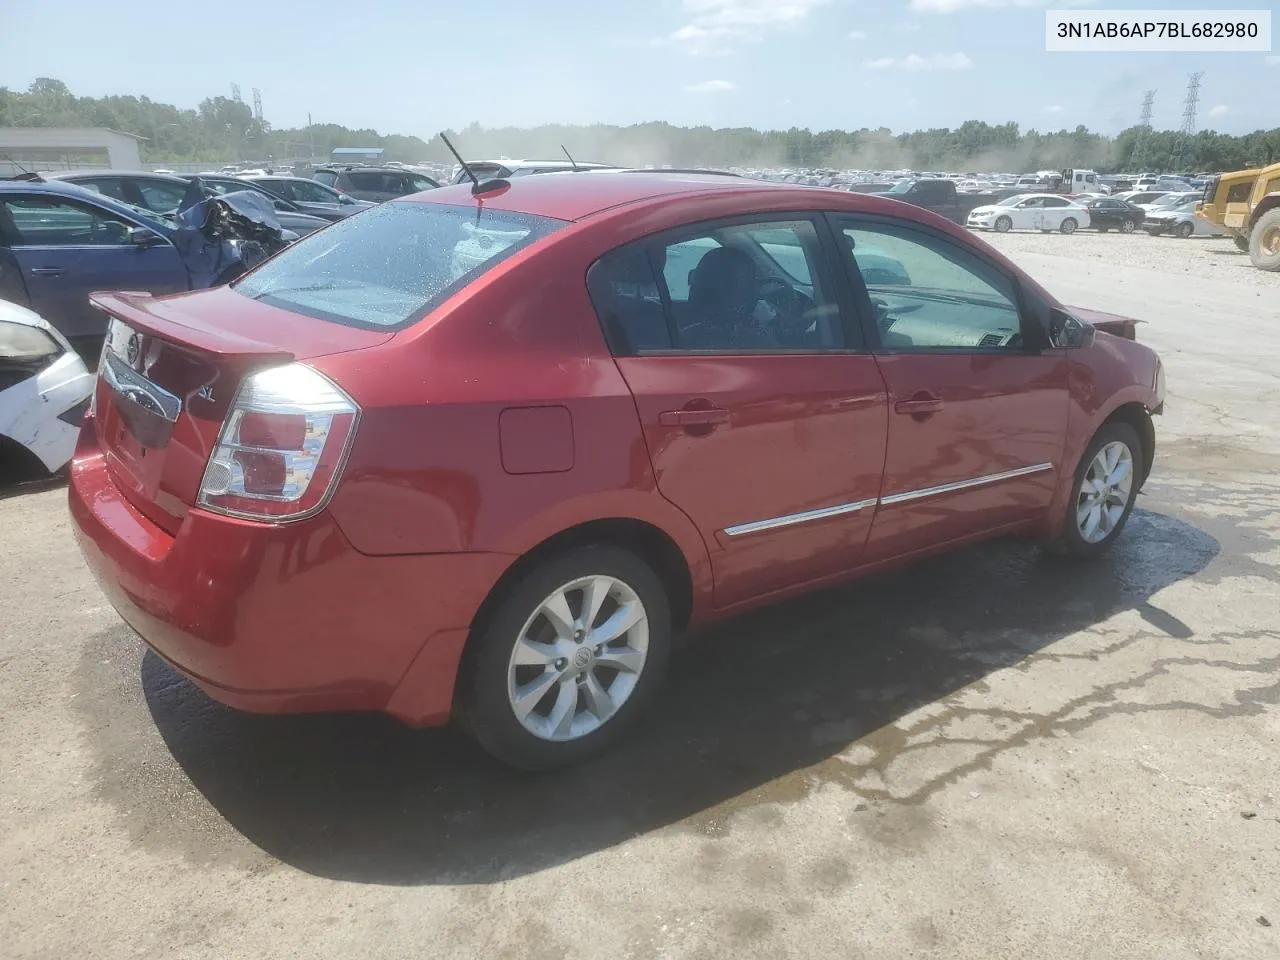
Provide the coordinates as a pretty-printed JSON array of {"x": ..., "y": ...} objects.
[{"x": 223, "y": 129}]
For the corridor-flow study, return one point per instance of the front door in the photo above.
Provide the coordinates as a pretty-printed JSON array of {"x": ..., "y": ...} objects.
[
  {"x": 977, "y": 411},
  {"x": 66, "y": 249},
  {"x": 764, "y": 419}
]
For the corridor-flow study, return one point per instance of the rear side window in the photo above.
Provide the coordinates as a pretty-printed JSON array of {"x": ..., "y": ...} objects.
[
  {"x": 377, "y": 182},
  {"x": 387, "y": 267}
]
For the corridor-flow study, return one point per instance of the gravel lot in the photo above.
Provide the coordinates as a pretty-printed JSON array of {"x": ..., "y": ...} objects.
[{"x": 992, "y": 754}]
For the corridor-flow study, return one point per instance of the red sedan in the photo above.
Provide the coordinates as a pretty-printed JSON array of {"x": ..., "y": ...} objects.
[{"x": 479, "y": 452}]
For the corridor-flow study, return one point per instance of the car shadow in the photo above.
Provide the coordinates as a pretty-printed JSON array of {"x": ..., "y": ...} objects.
[{"x": 756, "y": 710}]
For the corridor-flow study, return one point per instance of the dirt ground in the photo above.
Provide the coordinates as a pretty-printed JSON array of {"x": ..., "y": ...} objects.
[{"x": 990, "y": 755}]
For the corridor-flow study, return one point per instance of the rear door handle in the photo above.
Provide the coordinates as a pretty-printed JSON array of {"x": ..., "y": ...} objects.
[
  {"x": 921, "y": 403},
  {"x": 48, "y": 271},
  {"x": 693, "y": 418}
]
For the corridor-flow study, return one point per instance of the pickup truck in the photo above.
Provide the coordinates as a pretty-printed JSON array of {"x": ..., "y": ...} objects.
[{"x": 941, "y": 197}]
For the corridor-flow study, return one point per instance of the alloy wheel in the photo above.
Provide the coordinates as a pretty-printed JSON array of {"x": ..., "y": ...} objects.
[
  {"x": 1104, "y": 492},
  {"x": 578, "y": 658}
]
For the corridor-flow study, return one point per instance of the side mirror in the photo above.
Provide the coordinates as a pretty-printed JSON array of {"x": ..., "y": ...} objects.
[
  {"x": 145, "y": 237},
  {"x": 1067, "y": 332}
]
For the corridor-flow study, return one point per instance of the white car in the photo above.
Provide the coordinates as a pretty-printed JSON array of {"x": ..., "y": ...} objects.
[
  {"x": 1030, "y": 211},
  {"x": 1180, "y": 220},
  {"x": 44, "y": 387}
]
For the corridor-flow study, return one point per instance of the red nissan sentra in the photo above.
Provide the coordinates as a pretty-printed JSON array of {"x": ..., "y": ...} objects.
[{"x": 480, "y": 452}]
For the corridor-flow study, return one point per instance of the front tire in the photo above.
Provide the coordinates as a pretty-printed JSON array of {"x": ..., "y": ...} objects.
[
  {"x": 1002, "y": 225},
  {"x": 1184, "y": 230},
  {"x": 568, "y": 659},
  {"x": 1069, "y": 225},
  {"x": 1102, "y": 496},
  {"x": 1264, "y": 241}
]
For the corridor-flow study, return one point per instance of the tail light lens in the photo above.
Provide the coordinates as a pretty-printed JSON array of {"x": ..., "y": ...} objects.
[{"x": 282, "y": 446}]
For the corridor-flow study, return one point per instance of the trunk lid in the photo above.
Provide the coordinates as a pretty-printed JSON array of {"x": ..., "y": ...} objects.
[{"x": 169, "y": 371}]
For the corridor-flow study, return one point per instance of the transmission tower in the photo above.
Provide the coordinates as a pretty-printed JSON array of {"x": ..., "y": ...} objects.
[
  {"x": 1141, "y": 149},
  {"x": 1182, "y": 148},
  {"x": 235, "y": 93},
  {"x": 257, "y": 105}
]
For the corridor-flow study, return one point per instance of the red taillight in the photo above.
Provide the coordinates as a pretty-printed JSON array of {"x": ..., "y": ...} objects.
[{"x": 281, "y": 447}]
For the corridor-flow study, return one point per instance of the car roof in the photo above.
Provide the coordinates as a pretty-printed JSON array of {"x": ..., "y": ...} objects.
[
  {"x": 574, "y": 196},
  {"x": 73, "y": 175}
]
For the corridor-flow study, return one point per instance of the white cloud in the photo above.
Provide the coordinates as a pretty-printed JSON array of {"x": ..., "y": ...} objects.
[
  {"x": 717, "y": 26},
  {"x": 1053, "y": 108},
  {"x": 857, "y": 34},
  {"x": 1219, "y": 110},
  {"x": 913, "y": 61},
  {"x": 712, "y": 86},
  {"x": 955, "y": 6}
]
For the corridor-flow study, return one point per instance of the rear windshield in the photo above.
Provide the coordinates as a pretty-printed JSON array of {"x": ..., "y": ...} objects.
[
  {"x": 388, "y": 266},
  {"x": 327, "y": 177}
]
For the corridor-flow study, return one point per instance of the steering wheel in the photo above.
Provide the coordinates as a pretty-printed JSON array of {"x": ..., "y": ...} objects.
[{"x": 790, "y": 305}]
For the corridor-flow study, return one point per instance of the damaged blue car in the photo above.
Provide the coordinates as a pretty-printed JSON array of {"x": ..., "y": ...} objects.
[{"x": 60, "y": 242}]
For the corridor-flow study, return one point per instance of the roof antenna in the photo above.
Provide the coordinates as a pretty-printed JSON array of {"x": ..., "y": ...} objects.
[
  {"x": 476, "y": 186},
  {"x": 573, "y": 163}
]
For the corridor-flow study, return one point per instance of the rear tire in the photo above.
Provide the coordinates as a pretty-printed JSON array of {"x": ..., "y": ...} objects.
[
  {"x": 1100, "y": 502},
  {"x": 528, "y": 645},
  {"x": 1002, "y": 225},
  {"x": 1127, "y": 226},
  {"x": 1069, "y": 225},
  {"x": 1264, "y": 241}
]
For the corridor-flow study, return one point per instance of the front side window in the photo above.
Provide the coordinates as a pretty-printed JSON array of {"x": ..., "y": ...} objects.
[
  {"x": 309, "y": 192},
  {"x": 107, "y": 186},
  {"x": 160, "y": 195},
  {"x": 53, "y": 222},
  {"x": 418, "y": 183},
  {"x": 951, "y": 300},
  {"x": 385, "y": 268},
  {"x": 739, "y": 288}
]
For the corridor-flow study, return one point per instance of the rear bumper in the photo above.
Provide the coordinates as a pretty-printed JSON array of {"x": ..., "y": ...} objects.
[{"x": 282, "y": 618}]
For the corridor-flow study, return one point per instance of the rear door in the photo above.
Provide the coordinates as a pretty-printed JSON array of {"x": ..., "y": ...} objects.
[
  {"x": 763, "y": 416},
  {"x": 66, "y": 248},
  {"x": 977, "y": 410}
]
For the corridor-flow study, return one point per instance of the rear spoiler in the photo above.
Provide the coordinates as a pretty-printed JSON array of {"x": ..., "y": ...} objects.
[{"x": 165, "y": 319}]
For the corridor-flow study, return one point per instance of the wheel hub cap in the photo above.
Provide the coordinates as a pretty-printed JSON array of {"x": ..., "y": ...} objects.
[
  {"x": 578, "y": 658},
  {"x": 1104, "y": 492}
]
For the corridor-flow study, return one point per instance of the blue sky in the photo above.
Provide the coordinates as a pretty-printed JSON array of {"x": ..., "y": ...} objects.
[{"x": 415, "y": 66}]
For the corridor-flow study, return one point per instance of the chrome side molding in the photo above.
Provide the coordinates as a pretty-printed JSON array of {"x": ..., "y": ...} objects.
[{"x": 906, "y": 496}]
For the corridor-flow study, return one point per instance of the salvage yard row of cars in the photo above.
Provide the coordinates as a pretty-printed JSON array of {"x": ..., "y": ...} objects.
[{"x": 744, "y": 390}]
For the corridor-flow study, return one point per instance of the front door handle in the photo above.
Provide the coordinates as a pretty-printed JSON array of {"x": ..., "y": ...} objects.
[
  {"x": 704, "y": 417},
  {"x": 921, "y": 405},
  {"x": 48, "y": 271}
]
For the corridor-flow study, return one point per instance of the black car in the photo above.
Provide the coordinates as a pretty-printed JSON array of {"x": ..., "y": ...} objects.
[
  {"x": 309, "y": 196},
  {"x": 290, "y": 215},
  {"x": 1109, "y": 213},
  {"x": 163, "y": 193},
  {"x": 374, "y": 184}
]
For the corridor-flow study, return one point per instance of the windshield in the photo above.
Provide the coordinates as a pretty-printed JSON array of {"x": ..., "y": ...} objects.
[
  {"x": 902, "y": 186},
  {"x": 1011, "y": 201},
  {"x": 388, "y": 266}
]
